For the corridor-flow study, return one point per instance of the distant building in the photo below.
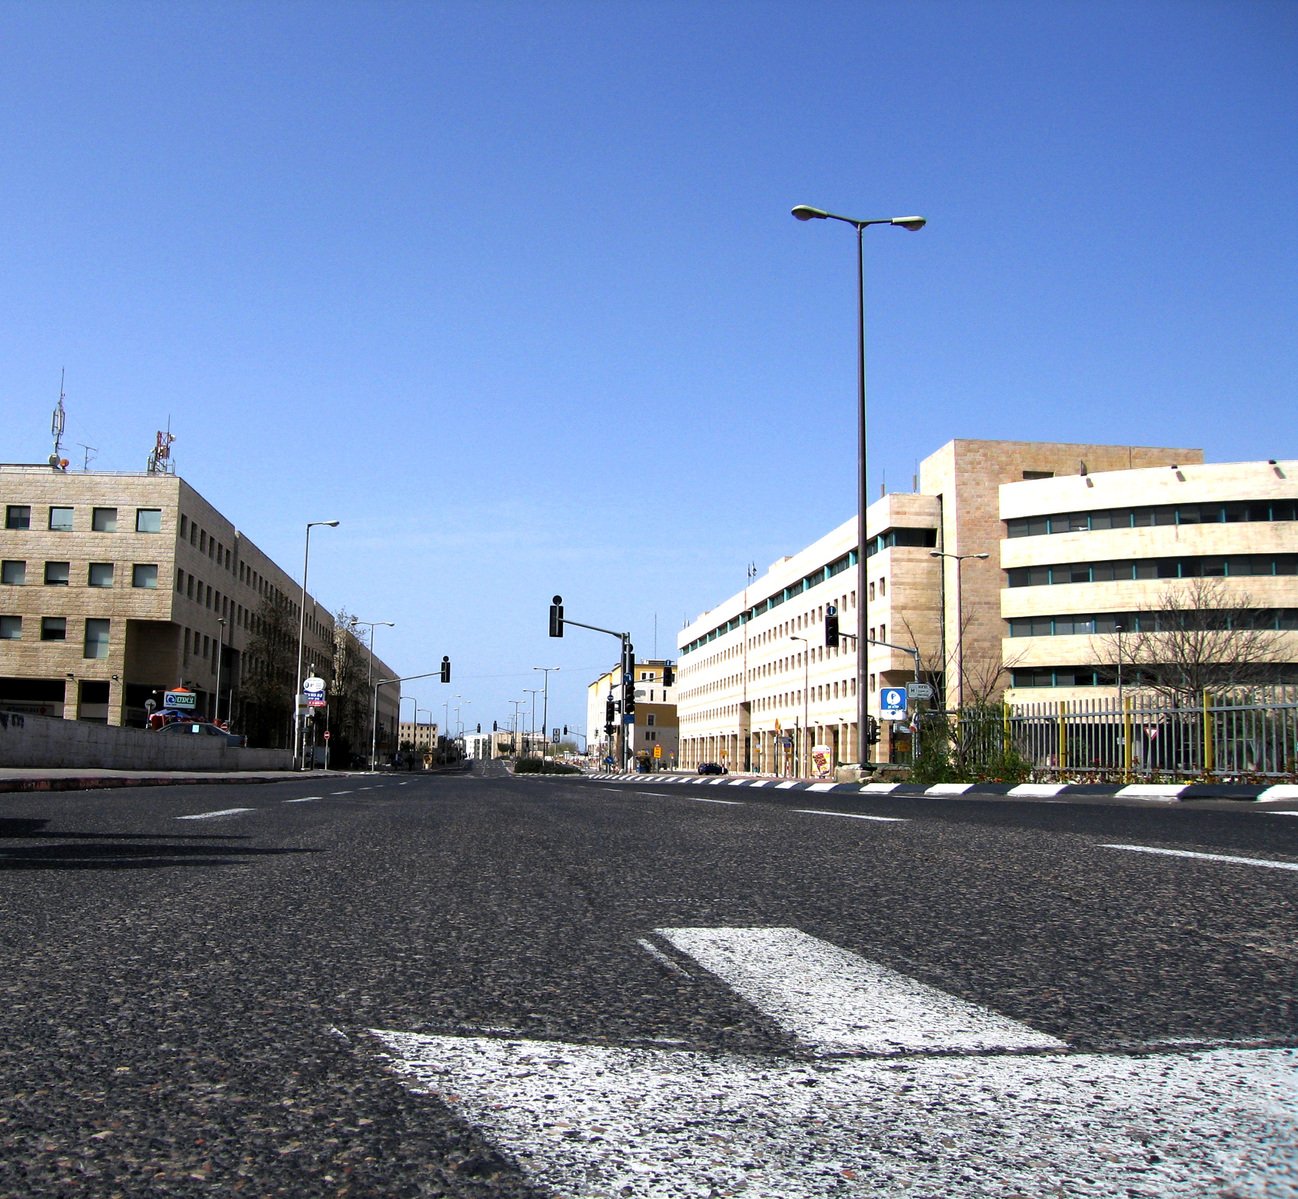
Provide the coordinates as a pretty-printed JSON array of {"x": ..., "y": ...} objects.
[
  {"x": 652, "y": 734},
  {"x": 115, "y": 588},
  {"x": 1077, "y": 539}
]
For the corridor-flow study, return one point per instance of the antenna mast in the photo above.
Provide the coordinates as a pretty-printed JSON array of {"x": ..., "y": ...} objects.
[
  {"x": 57, "y": 461},
  {"x": 160, "y": 458}
]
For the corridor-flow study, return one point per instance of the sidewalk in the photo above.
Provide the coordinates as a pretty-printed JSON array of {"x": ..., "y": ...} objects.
[{"x": 27, "y": 778}]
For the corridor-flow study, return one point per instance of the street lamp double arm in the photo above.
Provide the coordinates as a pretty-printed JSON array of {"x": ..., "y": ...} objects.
[
  {"x": 369, "y": 680},
  {"x": 805, "y": 212},
  {"x": 960, "y": 560},
  {"x": 301, "y": 637}
]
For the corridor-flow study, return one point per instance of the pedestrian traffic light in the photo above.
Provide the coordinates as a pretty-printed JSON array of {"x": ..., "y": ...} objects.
[
  {"x": 831, "y": 625},
  {"x": 556, "y": 617},
  {"x": 669, "y": 674},
  {"x": 871, "y": 730},
  {"x": 446, "y": 668}
]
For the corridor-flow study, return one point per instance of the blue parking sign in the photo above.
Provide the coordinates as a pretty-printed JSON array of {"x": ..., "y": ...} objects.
[{"x": 892, "y": 703}]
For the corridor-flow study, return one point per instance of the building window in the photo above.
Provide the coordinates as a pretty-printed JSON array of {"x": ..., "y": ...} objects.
[
  {"x": 54, "y": 628},
  {"x": 104, "y": 520},
  {"x": 650, "y": 720},
  {"x": 145, "y": 574},
  {"x": 56, "y": 574},
  {"x": 148, "y": 520},
  {"x": 96, "y": 639},
  {"x": 101, "y": 574},
  {"x": 14, "y": 573},
  {"x": 18, "y": 516},
  {"x": 11, "y": 628},
  {"x": 61, "y": 520}
]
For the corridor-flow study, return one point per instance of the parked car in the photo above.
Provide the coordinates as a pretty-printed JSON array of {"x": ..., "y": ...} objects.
[
  {"x": 202, "y": 728},
  {"x": 712, "y": 768}
]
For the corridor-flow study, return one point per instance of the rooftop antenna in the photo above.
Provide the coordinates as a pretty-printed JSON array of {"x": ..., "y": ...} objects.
[
  {"x": 90, "y": 452},
  {"x": 57, "y": 461},
  {"x": 160, "y": 458}
]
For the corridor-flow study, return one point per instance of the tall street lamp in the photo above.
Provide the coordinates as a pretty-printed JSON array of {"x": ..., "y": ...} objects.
[
  {"x": 301, "y": 636},
  {"x": 806, "y": 679},
  {"x": 960, "y": 560},
  {"x": 805, "y": 213},
  {"x": 220, "y": 651},
  {"x": 369, "y": 675},
  {"x": 545, "y": 699}
]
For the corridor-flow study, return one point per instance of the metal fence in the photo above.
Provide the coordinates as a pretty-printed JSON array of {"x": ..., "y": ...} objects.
[{"x": 1243, "y": 735}]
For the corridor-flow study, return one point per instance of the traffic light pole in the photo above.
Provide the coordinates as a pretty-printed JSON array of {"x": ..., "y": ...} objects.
[
  {"x": 558, "y": 620},
  {"x": 444, "y": 674}
]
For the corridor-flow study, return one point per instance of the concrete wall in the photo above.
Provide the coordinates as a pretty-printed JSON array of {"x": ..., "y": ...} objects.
[{"x": 43, "y": 742}]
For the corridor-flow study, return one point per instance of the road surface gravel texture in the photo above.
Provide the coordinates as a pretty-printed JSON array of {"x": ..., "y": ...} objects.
[{"x": 477, "y": 985}]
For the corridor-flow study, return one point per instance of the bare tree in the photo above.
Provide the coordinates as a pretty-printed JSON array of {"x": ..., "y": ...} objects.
[
  {"x": 269, "y": 671},
  {"x": 1203, "y": 634}
]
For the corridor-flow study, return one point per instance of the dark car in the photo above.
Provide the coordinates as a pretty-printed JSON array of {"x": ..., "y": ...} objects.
[
  {"x": 712, "y": 768},
  {"x": 201, "y": 728}
]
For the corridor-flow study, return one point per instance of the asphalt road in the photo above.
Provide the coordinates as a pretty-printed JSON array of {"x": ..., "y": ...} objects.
[{"x": 482, "y": 986}]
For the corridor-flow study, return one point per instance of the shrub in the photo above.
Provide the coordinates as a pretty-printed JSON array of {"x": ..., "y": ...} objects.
[{"x": 541, "y": 766}]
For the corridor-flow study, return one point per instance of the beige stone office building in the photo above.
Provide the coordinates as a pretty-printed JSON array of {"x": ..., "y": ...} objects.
[
  {"x": 1002, "y": 574},
  {"x": 117, "y": 587},
  {"x": 653, "y": 734}
]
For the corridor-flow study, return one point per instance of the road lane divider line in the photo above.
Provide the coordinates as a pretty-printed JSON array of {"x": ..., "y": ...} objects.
[
  {"x": 834, "y": 1001},
  {"x": 216, "y": 815},
  {"x": 1207, "y": 857},
  {"x": 853, "y": 815},
  {"x": 304, "y": 799}
]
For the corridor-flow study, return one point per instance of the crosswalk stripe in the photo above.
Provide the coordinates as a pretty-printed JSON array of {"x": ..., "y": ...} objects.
[{"x": 835, "y": 1001}]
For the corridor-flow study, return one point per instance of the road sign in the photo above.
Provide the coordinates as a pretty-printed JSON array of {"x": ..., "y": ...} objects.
[
  {"x": 920, "y": 691},
  {"x": 658, "y": 751},
  {"x": 313, "y": 691},
  {"x": 892, "y": 703}
]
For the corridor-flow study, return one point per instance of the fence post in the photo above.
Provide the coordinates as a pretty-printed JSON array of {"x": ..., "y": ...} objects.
[
  {"x": 1126, "y": 738},
  {"x": 1207, "y": 736},
  {"x": 1063, "y": 734}
]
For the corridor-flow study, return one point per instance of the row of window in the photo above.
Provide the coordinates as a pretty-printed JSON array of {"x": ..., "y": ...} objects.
[
  {"x": 1234, "y": 512},
  {"x": 1279, "y": 619},
  {"x": 55, "y": 628},
  {"x": 13, "y": 573},
  {"x": 102, "y": 520},
  {"x": 1091, "y": 676},
  {"x": 1214, "y": 567}
]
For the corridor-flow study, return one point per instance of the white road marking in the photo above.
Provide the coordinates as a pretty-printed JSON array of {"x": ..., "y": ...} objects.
[
  {"x": 661, "y": 958},
  {"x": 730, "y": 803},
  {"x": 304, "y": 799},
  {"x": 1207, "y": 857},
  {"x": 853, "y": 815},
  {"x": 587, "y": 1122},
  {"x": 215, "y": 815},
  {"x": 837, "y": 1002}
]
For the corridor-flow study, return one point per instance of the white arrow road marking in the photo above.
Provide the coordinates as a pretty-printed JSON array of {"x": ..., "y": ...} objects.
[
  {"x": 972, "y": 1122},
  {"x": 834, "y": 1001},
  {"x": 1208, "y": 857},
  {"x": 215, "y": 815},
  {"x": 590, "y": 1122}
]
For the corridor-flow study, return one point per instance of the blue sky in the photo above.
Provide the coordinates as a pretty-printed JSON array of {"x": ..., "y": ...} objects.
[{"x": 513, "y": 292}]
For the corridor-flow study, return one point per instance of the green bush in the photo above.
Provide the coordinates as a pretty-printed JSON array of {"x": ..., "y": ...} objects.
[{"x": 541, "y": 766}]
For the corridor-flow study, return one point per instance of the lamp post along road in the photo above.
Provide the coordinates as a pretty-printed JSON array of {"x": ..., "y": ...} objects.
[
  {"x": 545, "y": 703},
  {"x": 301, "y": 637},
  {"x": 804, "y": 212},
  {"x": 960, "y": 560},
  {"x": 369, "y": 681},
  {"x": 804, "y": 769},
  {"x": 220, "y": 651}
]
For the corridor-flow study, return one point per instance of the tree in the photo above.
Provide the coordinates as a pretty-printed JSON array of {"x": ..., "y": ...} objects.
[
  {"x": 1203, "y": 634},
  {"x": 268, "y": 677},
  {"x": 349, "y": 699}
]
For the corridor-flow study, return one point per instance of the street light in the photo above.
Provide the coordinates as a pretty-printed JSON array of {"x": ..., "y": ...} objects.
[
  {"x": 806, "y": 669},
  {"x": 301, "y": 635},
  {"x": 531, "y": 738},
  {"x": 220, "y": 651},
  {"x": 369, "y": 676},
  {"x": 545, "y": 700},
  {"x": 960, "y": 559},
  {"x": 804, "y": 212}
]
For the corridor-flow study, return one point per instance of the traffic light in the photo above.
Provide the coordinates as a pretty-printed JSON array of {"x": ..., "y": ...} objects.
[
  {"x": 556, "y": 617},
  {"x": 479, "y": 726},
  {"x": 446, "y": 668},
  {"x": 669, "y": 674},
  {"x": 608, "y": 711},
  {"x": 494, "y": 729},
  {"x": 628, "y": 696},
  {"x": 871, "y": 730},
  {"x": 831, "y": 626},
  {"x": 565, "y": 730}
]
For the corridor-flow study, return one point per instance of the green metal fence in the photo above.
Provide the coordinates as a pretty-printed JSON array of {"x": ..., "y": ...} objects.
[{"x": 1243, "y": 735}]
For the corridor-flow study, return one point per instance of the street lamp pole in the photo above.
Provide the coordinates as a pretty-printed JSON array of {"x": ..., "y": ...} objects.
[
  {"x": 545, "y": 699},
  {"x": 369, "y": 676},
  {"x": 220, "y": 652},
  {"x": 301, "y": 637},
  {"x": 804, "y": 212},
  {"x": 959, "y": 559},
  {"x": 806, "y": 678}
]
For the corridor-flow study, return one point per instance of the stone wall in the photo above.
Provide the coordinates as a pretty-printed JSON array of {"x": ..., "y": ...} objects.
[{"x": 45, "y": 743}]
